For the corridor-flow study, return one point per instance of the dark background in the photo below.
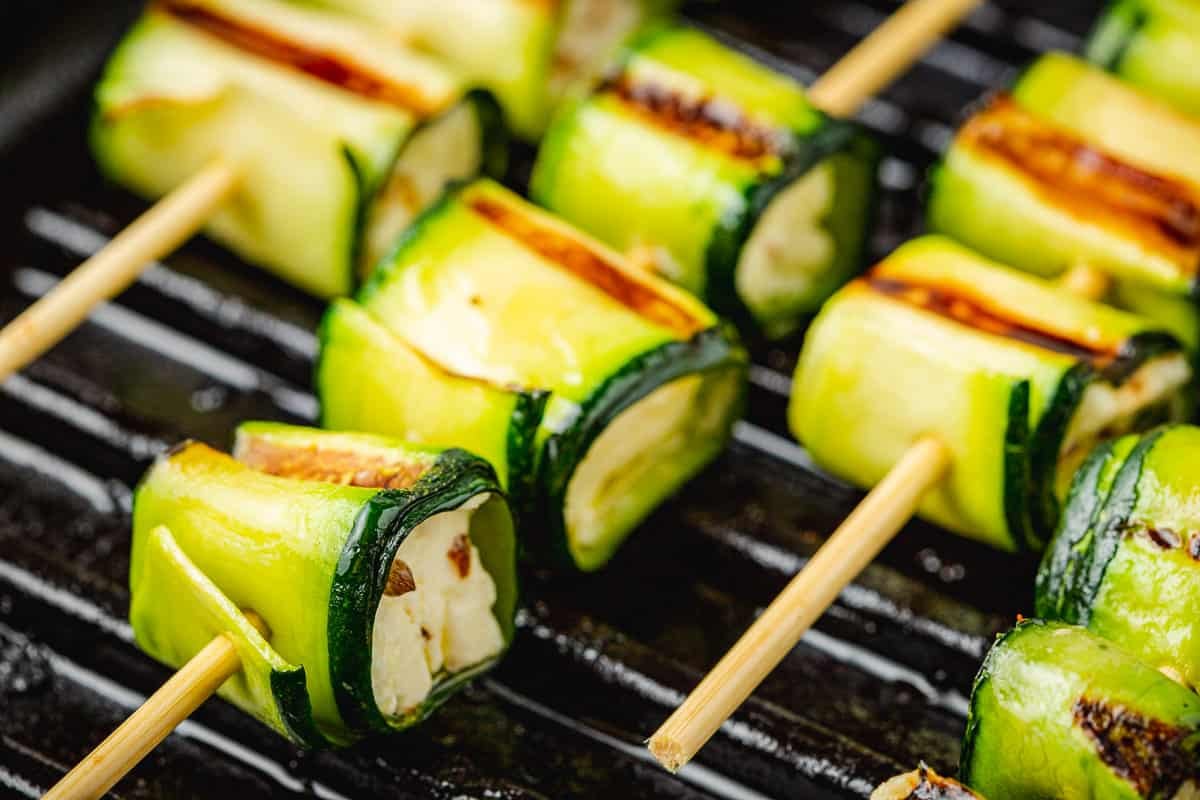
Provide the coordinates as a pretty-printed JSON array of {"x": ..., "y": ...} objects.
[{"x": 204, "y": 342}]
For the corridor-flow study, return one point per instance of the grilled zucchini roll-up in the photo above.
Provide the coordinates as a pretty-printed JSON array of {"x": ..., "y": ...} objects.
[
  {"x": 1155, "y": 45},
  {"x": 530, "y": 55},
  {"x": 1074, "y": 167},
  {"x": 922, "y": 784},
  {"x": 385, "y": 573},
  {"x": 718, "y": 172},
  {"x": 1017, "y": 378},
  {"x": 628, "y": 385},
  {"x": 1125, "y": 562},
  {"x": 340, "y": 135},
  {"x": 1059, "y": 712}
]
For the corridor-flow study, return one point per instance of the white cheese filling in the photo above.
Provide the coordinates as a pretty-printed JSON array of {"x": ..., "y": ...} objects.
[
  {"x": 442, "y": 626},
  {"x": 1106, "y": 410},
  {"x": 789, "y": 249},
  {"x": 446, "y": 149}
]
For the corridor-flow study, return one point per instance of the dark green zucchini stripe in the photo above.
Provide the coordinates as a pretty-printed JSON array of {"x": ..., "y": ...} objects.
[{"x": 362, "y": 574}]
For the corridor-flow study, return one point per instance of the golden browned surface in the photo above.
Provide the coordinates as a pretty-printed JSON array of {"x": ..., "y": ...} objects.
[
  {"x": 312, "y": 463},
  {"x": 1160, "y": 211},
  {"x": 575, "y": 257},
  {"x": 332, "y": 68},
  {"x": 712, "y": 122},
  {"x": 955, "y": 304}
]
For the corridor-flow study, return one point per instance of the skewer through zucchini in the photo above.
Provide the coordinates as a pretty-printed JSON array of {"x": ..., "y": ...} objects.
[
  {"x": 1091, "y": 172},
  {"x": 385, "y": 573},
  {"x": 718, "y": 172},
  {"x": 594, "y": 388},
  {"x": 340, "y": 135},
  {"x": 1027, "y": 380}
]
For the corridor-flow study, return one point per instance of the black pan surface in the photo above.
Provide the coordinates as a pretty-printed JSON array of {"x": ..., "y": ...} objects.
[{"x": 203, "y": 341}]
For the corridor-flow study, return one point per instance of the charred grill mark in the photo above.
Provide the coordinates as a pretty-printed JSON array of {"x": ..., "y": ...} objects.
[
  {"x": 460, "y": 555},
  {"x": 951, "y": 304},
  {"x": 1164, "y": 538},
  {"x": 312, "y": 463},
  {"x": 1194, "y": 545},
  {"x": 1148, "y": 754},
  {"x": 576, "y": 258},
  {"x": 1090, "y": 182},
  {"x": 400, "y": 580},
  {"x": 711, "y": 121},
  {"x": 331, "y": 68}
]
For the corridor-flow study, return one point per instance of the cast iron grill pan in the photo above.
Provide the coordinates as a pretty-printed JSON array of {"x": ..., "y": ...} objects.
[{"x": 203, "y": 342}]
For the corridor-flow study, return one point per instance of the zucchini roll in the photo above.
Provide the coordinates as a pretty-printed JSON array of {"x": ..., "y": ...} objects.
[
  {"x": 385, "y": 573},
  {"x": 719, "y": 173},
  {"x": 593, "y": 387},
  {"x": 530, "y": 55},
  {"x": 1074, "y": 167},
  {"x": 1059, "y": 712},
  {"x": 1125, "y": 562},
  {"x": 1155, "y": 45},
  {"x": 340, "y": 136},
  {"x": 922, "y": 784},
  {"x": 1017, "y": 378}
]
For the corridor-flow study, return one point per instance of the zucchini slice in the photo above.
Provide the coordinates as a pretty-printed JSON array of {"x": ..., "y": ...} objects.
[
  {"x": 640, "y": 382},
  {"x": 1075, "y": 167},
  {"x": 530, "y": 55},
  {"x": 1153, "y": 44},
  {"x": 1130, "y": 572},
  {"x": 1019, "y": 381},
  {"x": 1059, "y": 712},
  {"x": 922, "y": 784},
  {"x": 385, "y": 573},
  {"x": 719, "y": 173},
  {"x": 341, "y": 136}
]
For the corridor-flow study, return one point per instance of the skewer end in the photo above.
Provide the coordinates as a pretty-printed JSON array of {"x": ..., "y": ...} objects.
[{"x": 668, "y": 752}]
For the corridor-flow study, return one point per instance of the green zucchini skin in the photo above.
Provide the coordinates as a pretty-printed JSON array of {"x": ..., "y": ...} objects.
[
  {"x": 1006, "y": 399},
  {"x": 324, "y": 173},
  {"x": 547, "y": 314},
  {"x": 993, "y": 192},
  {"x": 1153, "y": 44},
  {"x": 630, "y": 165},
  {"x": 209, "y": 526},
  {"x": 1059, "y": 712},
  {"x": 1129, "y": 572}
]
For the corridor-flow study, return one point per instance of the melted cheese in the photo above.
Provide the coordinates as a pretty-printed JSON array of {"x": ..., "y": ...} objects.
[{"x": 443, "y": 626}]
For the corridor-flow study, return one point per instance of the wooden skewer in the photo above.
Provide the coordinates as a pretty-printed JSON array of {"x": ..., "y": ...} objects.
[
  {"x": 879, "y": 58},
  {"x": 876, "y": 521},
  {"x": 1085, "y": 280},
  {"x": 169, "y": 223},
  {"x": 162, "y": 712}
]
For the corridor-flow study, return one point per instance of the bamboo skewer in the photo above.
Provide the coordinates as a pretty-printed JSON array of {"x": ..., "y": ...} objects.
[
  {"x": 888, "y": 51},
  {"x": 1085, "y": 280},
  {"x": 874, "y": 523},
  {"x": 164, "y": 227},
  {"x": 162, "y": 712}
]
